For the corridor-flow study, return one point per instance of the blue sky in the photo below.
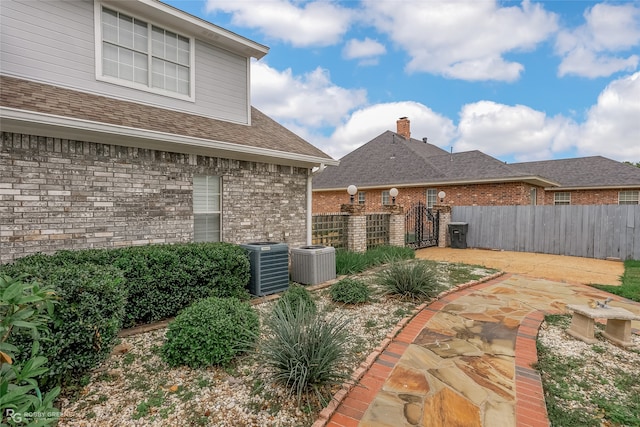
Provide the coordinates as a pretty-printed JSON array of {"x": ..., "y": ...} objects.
[{"x": 517, "y": 80}]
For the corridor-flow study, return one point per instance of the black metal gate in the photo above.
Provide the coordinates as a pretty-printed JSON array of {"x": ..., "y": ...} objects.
[{"x": 421, "y": 226}]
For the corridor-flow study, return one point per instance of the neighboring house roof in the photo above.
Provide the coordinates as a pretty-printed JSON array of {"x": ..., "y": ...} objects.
[
  {"x": 585, "y": 172},
  {"x": 390, "y": 159},
  {"x": 42, "y": 109}
]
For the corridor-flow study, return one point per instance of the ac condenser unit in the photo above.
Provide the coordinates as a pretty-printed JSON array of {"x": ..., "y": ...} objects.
[
  {"x": 314, "y": 264},
  {"x": 269, "y": 267}
]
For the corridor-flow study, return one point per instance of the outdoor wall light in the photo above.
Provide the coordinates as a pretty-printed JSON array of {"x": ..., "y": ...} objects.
[
  {"x": 352, "y": 190},
  {"x": 442, "y": 194},
  {"x": 393, "y": 193}
]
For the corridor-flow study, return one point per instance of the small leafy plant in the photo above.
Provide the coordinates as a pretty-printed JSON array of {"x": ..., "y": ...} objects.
[
  {"x": 409, "y": 280},
  {"x": 350, "y": 291},
  {"x": 210, "y": 332},
  {"x": 24, "y": 306},
  {"x": 295, "y": 296}
]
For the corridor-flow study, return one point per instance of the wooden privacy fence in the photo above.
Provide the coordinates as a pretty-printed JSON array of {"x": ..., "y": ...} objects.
[{"x": 592, "y": 231}]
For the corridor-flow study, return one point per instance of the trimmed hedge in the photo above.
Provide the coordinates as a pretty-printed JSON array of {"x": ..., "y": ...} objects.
[
  {"x": 102, "y": 290},
  {"x": 161, "y": 280},
  {"x": 85, "y": 323}
]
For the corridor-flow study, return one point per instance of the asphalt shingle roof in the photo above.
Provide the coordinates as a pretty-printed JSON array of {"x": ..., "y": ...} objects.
[
  {"x": 264, "y": 132},
  {"x": 390, "y": 159},
  {"x": 587, "y": 172}
]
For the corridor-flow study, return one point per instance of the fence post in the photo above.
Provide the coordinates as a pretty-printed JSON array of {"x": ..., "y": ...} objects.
[
  {"x": 396, "y": 224},
  {"x": 443, "y": 224},
  {"x": 356, "y": 227}
]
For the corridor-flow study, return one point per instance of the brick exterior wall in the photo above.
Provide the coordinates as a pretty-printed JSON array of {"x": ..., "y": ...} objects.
[
  {"x": 587, "y": 197},
  {"x": 504, "y": 194},
  {"x": 62, "y": 194}
]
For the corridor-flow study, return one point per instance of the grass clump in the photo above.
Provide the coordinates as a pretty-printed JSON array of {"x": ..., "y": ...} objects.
[
  {"x": 304, "y": 350},
  {"x": 350, "y": 291},
  {"x": 210, "y": 332},
  {"x": 413, "y": 280},
  {"x": 355, "y": 262},
  {"x": 630, "y": 287}
]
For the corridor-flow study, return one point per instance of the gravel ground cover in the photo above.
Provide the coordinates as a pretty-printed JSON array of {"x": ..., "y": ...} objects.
[
  {"x": 137, "y": 388},
  {"x": 588, "y": 384}
]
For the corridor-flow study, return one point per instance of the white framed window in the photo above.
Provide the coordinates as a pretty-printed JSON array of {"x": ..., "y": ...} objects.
[
  {"x": 562, "y": 198},
  {"x": 386, "y": 198},
  {"x": 629, "y": 197},
  {"x": 207, "y": 211},
  {"x": 136, "y": 53},
  {"x": 361, "y": 197},
  {"x": 533, "y": 195},
  {"x": 432, "y": 197}
]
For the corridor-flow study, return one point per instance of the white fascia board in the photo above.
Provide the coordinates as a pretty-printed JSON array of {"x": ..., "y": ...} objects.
[
  {"x": 28, "y": 122},
  {"x": 533, "y": 180},
  {"x": 180, "y": 20}
]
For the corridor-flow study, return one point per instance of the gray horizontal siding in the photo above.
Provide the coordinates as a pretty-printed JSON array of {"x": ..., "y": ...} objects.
[
  {"x": 592, "y": 231},
  {"x": 53, "y": 42}
]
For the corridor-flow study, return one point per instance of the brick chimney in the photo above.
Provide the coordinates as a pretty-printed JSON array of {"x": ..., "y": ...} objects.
[{"x": 404, "y": 127}]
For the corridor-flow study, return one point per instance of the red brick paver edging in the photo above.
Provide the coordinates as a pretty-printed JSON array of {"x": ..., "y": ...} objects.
[{"x": 531, "y": 409}]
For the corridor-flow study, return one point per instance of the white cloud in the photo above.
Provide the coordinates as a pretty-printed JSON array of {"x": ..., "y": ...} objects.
[
  {"x": 464, "y": 39},
  {"x": 366, "y": 49},
  {"x": 589, "y": 49},
  {"x": 310, "y": 100},
  {"x": 612, "y": 127},
  {"x": 316, "y": 23},
  {"x": 369, "y": 122},
  {"x": 518, "y": 131}
]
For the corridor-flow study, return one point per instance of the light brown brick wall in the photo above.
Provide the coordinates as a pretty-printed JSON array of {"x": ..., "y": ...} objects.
[{"x": 61, "y": 194}]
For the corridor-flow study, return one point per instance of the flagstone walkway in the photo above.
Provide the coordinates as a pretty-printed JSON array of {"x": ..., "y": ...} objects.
[{"x": 464, "y": 360}]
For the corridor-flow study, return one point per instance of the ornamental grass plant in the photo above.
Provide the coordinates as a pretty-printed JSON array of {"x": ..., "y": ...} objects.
[
  {"x": 304, "y": 350},
  {"x": 413, "y": 280},
  {"x": 350, "y": 291},
  {"x": 348, "y": 262}
]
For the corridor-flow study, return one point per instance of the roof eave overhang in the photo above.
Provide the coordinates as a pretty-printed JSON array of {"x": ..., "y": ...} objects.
[
  {"x": 533, "y": 180},
  {"x": 595, "y": 187},
  {"x": 199, "y": 28},
  {"x": 32, "y": 123}
]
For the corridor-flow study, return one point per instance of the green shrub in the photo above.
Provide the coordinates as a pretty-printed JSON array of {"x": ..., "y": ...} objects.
[
  {"x": 164, "y": 279},
  {"x": 24, "y": 306},
  {"x": 161, "y": 279},
  {"x": 210, "y": 332},
  {"x": 350, "y": 291},
  {"x": 85, "y": 325},
  {"x": 412, "y": 280},
  {"x": 303, "y": 350},
  {"x": 295, "y": 296}
]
